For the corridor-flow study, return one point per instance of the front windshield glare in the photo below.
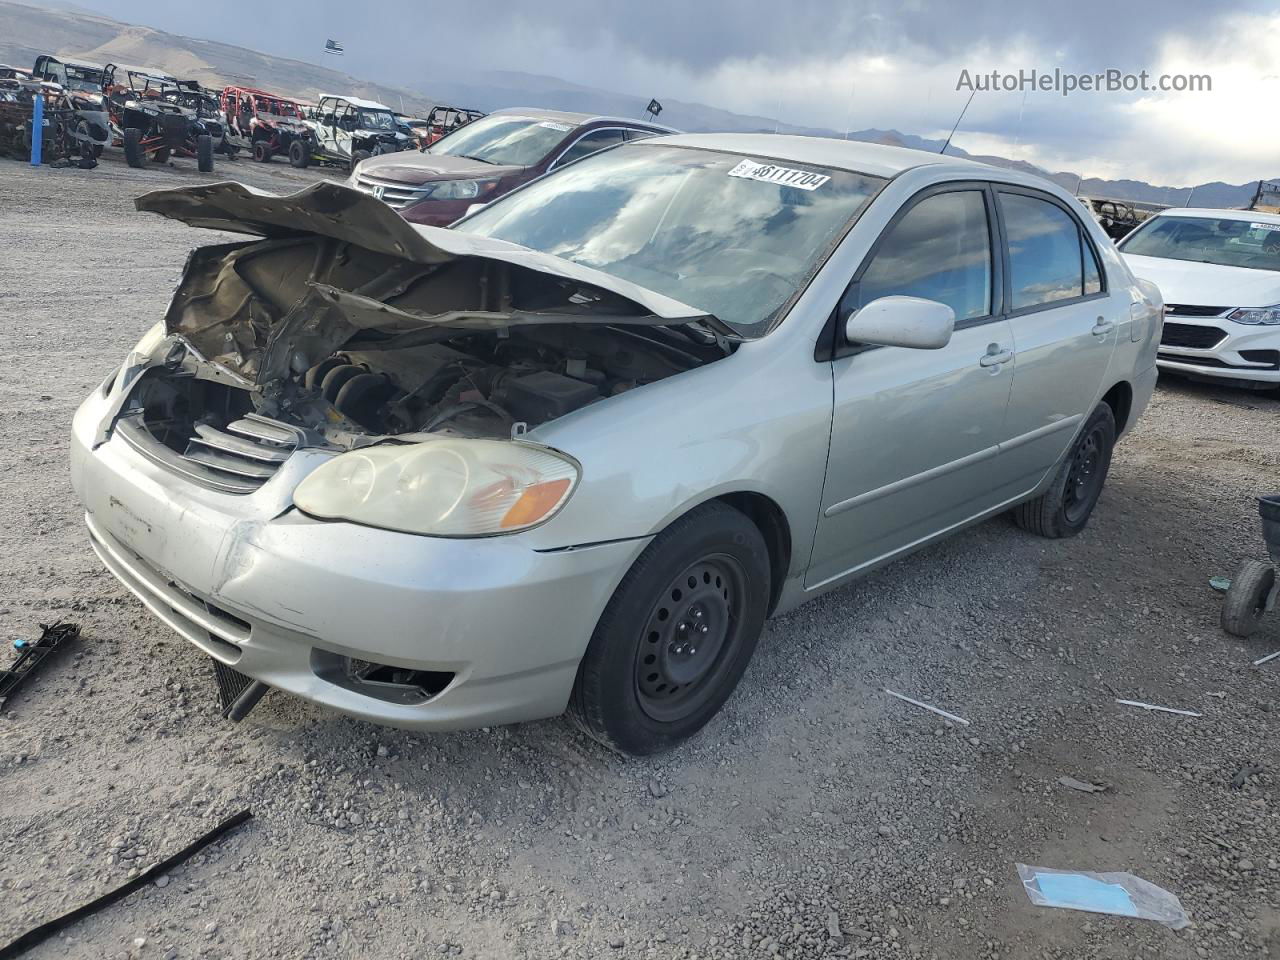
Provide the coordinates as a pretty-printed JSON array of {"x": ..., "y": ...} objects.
[
  {"x": 1227, "y": 242},
  {"x": 503, "y": 139},
  {"x": 734, "y": 236}
]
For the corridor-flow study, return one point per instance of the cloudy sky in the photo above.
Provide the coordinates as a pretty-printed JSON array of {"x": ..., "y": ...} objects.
[{"x": 835, "y": 63}]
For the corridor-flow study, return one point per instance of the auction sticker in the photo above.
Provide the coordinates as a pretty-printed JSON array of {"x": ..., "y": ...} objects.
[
  {"x": 783, "y": 176},
  {"x": 552, "y": 125}
]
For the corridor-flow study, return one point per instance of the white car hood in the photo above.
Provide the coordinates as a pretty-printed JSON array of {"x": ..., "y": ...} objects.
[{"x": 1207, "y": 284}]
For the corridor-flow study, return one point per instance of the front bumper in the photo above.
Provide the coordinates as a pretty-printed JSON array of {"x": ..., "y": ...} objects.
[
  {"x": 1225, "y": 350},
  {"x": 281, "y": 597}
]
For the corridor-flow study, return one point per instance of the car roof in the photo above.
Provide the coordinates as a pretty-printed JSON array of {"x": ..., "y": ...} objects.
[
  {"x": 579, "y": 119},
  {"x": 875, "y": 159},
  {"x": 1254, "y": 216},
  {"x": 355, "y": 101}
]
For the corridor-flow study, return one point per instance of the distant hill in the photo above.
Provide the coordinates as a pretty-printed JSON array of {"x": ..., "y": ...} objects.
[{"x": 27, "y": 31}]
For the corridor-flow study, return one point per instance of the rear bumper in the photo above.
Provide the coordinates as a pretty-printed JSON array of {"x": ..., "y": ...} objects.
[{"x": 283, "y": 598}]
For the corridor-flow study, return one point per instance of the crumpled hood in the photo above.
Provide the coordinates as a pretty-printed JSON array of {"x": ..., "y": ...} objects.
[
  {"x": 419, "y": 168},
  {"x": 1207, "y": 284},
  {"x": 332, "y": 210}
]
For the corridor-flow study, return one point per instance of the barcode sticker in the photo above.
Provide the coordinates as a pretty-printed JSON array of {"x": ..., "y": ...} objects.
[{"x": 783, "y": 176}]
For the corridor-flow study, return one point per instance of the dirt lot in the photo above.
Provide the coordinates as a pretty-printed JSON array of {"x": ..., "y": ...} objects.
[{"x": 815, "y": 817}]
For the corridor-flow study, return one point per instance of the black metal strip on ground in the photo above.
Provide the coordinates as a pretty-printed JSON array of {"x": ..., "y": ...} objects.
[
  {"x": 45, "y": 930},
  {"x": 31, "y": 653}
]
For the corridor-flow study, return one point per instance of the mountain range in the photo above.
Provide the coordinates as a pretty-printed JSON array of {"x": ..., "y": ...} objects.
[{"x": 27, "y": 31}]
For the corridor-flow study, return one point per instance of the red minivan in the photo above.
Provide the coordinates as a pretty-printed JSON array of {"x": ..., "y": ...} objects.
[{"x": 487, "y": 158}]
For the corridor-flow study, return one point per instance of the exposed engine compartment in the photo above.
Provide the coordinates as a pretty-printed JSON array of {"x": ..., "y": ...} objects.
[{"x": 345, "y": 325}]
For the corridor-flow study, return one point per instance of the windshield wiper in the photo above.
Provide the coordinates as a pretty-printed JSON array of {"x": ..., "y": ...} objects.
[{"x": 467, "y": 156}]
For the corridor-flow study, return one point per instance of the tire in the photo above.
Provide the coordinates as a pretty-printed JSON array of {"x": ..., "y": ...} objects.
[
  {"x": 1064, "y": 509},
  {"x": 1246, "y": 600},
  {"x": 85, "y": 141},
  {"x": 300, "y": 154},
  {"x": 133, "y": 154},
  {"x": 262, "y": 152},
  {"x": 358, "y": 156},
  {"x": 642, "y": 686},
  {"x": 204, "y": 153},
  {"x": 162, "y": 155}
]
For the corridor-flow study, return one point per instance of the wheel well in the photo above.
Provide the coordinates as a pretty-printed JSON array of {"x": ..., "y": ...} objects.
[
  {"x": 1120, "y": 399},
  {"x": 772, "y": 522}
]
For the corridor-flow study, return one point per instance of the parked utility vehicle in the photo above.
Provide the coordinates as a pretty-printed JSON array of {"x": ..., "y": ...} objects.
[
  {"x": 264, "y": 124},
  {"x": 159, "y": 116},
  {"x": 346, "y": 130}
]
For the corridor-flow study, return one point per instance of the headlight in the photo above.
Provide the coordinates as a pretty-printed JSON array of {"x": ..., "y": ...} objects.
[
  {"x": 1267, "y": 316},
  {"x": 459, "y": 189},
  {"x": 444, "y": 487}
]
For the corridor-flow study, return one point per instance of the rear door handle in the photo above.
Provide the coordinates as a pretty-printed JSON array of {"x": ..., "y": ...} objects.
[
  {"x": 995, "y": 356},
  {"x": 1103, "y": 327}
]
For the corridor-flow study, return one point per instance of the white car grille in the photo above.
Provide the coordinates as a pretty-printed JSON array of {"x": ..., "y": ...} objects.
[{"x": 391, "y": 192}]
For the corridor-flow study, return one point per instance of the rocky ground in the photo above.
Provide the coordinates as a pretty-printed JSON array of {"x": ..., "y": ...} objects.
[{"x": 816, "y": 817}]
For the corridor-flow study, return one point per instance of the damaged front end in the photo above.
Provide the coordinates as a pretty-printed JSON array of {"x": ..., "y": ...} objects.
[{"x": 342, "y": 326}]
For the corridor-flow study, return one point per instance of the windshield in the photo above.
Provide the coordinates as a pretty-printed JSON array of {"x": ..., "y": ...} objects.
[
  {"x": 377, "y": 120},
  {"x": 737, "y": 237},
  {"x": 1229, "y": 243},
  {"x": 507, "y": 140},
  {"x": 84, "y": 81}
]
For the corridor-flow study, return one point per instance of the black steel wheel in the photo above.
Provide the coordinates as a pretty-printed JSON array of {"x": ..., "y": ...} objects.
[
  {"x": 1063, "y": 510},
  {"x": 684, "y": 638},
  {"x": 677, "y": 635}
]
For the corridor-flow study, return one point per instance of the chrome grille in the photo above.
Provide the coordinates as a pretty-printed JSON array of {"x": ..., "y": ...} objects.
[
  {"x": 391, "y": 192},
  {"x": 236, "y": 459},
  {"x": 249, "y": 451}
]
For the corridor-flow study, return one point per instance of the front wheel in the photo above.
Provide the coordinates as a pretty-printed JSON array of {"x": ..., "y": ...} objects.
[
  {"x": 1064, "y": 509},
  {"x": 204, "y": 153},
  {"x": 262, "y": 152},
  {"x": 300, "y": 154},
  {"x": 133, "y": 153},
  {"x": 359, "y": 155},
  {"x": 677, "y": 634}
]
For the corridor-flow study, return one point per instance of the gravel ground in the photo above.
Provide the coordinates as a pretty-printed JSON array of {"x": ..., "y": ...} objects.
[{"x": 816, "y": 817}]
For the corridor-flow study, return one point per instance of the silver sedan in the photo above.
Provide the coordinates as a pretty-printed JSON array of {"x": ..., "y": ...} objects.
[{"x": 574, "y": 451}]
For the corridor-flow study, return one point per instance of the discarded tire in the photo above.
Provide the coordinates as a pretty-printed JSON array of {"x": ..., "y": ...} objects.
[{"x": 1246, "y": 600}]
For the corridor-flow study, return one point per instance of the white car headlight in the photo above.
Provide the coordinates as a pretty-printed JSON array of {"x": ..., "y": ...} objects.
[
  {"x": 444, "y": 486},
  {"x": 1266, "y": 316}
]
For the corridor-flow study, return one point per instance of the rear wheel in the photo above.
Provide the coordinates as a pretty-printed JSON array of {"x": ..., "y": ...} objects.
[
  {"x": 300, "y": 154},
  {"x": 677, "y": 634},
  {"x": 1246, "y": 600},
  {"x": 162, "y": 155},
  {"x": 204, "y": 153},
  {"x": 1064, "y": 509},
  {"x": 133, "y": 154}
]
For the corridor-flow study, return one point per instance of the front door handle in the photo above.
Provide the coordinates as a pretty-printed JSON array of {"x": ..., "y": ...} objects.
[
  {"x": 995, "y": 356},
  {"x": 1103, "y": 327}
]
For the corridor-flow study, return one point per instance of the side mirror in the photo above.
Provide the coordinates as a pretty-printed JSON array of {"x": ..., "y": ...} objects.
[{"x": 902, "y": 322}]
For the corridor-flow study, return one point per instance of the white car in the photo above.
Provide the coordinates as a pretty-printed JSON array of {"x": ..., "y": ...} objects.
[{"x": 1219, "y": 271}]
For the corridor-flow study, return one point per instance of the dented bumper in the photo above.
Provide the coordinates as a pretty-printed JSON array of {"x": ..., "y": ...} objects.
[{"x": 287, "y": 599}]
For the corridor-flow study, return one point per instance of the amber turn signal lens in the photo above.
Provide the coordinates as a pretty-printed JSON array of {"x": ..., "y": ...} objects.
[{"x": 536, "y": 502}]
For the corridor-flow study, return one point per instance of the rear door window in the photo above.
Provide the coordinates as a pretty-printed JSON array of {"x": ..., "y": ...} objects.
[
  {"x": 1046, "y": 261},
  {"x": 589, "y": 143}
]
